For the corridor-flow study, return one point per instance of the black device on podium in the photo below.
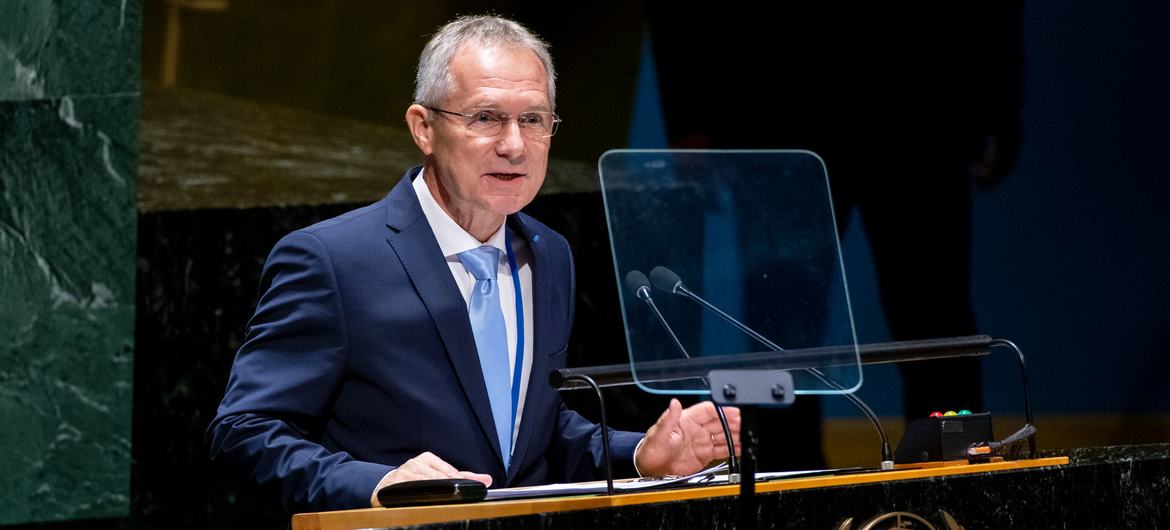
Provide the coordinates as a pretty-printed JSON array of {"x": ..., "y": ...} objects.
[
  {"x": 939, "y": 438},
  {"x": 432, "y": 491}
]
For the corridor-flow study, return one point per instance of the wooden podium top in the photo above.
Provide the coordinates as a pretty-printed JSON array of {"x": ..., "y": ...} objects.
[{"x": 392, "y": 517}]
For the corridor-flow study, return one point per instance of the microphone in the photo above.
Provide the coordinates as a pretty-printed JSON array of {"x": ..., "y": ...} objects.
[
  {"x": 637, "y": 282},
  {"x": 666, "y": 280}
]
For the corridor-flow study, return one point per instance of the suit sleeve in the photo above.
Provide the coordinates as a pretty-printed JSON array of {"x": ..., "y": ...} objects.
[
  {"x": 579, "y": 451},
  {"x": 268, "y": 427}
]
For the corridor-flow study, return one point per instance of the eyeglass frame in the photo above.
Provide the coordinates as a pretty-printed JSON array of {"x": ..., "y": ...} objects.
[{"x": 504, "y": 119}]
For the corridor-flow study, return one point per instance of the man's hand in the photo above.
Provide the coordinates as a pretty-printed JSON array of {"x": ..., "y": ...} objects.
[
  {"x": 684, "y": 441},
  {"x": 421, "y": 467}
]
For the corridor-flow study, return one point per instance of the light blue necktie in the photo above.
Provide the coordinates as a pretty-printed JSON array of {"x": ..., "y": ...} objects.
[{"x": 491, "y": 339}]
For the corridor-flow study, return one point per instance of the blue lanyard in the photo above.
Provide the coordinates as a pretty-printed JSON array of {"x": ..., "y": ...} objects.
[{"x": 518, "y": 371}]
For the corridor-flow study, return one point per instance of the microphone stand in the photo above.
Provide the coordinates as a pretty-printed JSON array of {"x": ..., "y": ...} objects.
[{"x": 584, "y": 378}]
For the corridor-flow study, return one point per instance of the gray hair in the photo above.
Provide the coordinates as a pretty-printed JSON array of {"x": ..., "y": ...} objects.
[{"x": 434, "y": 82}]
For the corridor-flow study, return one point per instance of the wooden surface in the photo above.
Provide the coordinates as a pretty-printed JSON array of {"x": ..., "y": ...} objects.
[{"x": 383, "y": 517}]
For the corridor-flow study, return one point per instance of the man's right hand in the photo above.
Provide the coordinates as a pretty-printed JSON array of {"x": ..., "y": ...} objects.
[{"x": 422, "y": 467}]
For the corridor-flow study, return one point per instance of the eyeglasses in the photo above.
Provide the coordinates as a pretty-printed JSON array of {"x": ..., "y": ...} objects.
[{"x": 534, "y": 124}]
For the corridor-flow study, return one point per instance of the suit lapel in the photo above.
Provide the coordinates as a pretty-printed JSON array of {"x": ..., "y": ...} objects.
[
  {"x": 538, "y": 377},
  {"x": 414, "y": 242}
]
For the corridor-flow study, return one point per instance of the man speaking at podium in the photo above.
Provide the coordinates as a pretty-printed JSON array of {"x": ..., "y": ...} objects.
[{"x": 412, "y": 338}]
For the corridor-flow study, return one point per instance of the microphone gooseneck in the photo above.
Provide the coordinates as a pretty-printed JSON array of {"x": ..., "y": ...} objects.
[
  {"x": 636, "y": 282},
  {"x": 667, "y": 281}
]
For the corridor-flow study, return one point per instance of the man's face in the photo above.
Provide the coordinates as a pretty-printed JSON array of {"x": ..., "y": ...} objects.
[{"x": 482, "y": 179}]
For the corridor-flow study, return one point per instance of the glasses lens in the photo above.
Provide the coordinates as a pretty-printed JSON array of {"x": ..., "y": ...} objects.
[
  {"x": 535, "y": 124},
  {"x": 484, "y": 122},
  {"x": 538, "y": 124}
]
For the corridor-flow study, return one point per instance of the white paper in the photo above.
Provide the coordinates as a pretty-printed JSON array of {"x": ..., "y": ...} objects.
[{"x": 714, "y": 476}]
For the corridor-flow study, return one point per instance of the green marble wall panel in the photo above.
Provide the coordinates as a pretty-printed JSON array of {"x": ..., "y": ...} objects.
[
  {"x": 51, "y": 48},
  {"x": 67, "y": 253},
  {"x": 68, "y": 165}
]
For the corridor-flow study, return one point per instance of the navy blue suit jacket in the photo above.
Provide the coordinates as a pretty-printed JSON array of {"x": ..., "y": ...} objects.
[{"x": 360, "y": 356}]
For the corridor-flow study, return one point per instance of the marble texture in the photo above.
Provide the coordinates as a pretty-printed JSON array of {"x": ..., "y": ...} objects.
[
  {"x": 66, "y": 325},
  {"x": 68, "y": 159},
  {"x": 198, "y": 273},
  {"x": 53, "y": 48},
  {"x": 1115, "y": 453}
]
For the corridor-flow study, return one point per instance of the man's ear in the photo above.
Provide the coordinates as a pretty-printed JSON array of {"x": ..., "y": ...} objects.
[{"x": 420, "y": 128}]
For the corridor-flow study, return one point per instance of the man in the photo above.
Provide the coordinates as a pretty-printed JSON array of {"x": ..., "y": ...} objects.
[{"x": 412, "y": 338}]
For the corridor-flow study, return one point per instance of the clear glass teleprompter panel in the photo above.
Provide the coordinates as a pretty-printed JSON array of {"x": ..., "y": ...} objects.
[{"x": 753, "y": 233}]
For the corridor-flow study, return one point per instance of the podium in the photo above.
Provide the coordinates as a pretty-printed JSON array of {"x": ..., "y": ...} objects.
[{"x": 1086, "y": 488}]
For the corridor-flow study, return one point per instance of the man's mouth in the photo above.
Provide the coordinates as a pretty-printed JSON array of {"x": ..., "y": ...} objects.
[{"x": 506, "y": 176}]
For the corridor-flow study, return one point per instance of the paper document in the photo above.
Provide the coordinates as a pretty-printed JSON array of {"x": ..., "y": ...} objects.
[{"x": 712, "y": 475}]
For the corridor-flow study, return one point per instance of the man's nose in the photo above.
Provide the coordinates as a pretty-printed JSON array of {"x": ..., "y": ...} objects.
[{"x": 510, "y": 143}]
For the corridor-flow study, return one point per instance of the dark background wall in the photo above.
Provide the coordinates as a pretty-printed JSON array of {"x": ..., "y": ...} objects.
[
  {"x": 1068, "y": 251},
  {"x": 1070, "y": 255}
]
